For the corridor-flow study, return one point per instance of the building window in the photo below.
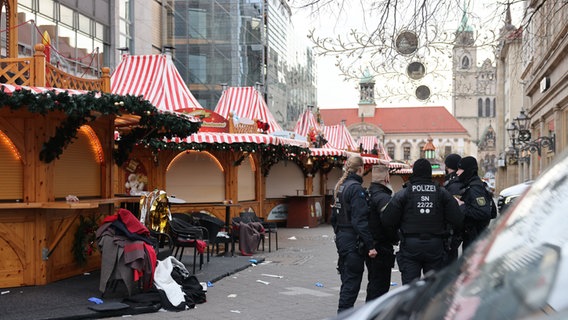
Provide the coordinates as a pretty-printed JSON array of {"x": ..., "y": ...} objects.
[
  {"x": 488, "y": 107},
  {"x": 493, "y": 113},
  {"x": 447, "y": 151},
  {"x": 390, "y": 150},
  {"x": 406, "y": 152},
  {"x": 480, "y": 107},
  {"x": 125, "y": 25},
  {"x": 465, "y": 62},
  {"x": 421, "y": 148}
]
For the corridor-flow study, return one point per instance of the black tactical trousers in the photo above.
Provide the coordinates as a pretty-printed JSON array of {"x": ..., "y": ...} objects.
[
  {"x": 379, "y": 270},
  {"x": 351, "y": 266},
  {"x": 418, "y": 256}
]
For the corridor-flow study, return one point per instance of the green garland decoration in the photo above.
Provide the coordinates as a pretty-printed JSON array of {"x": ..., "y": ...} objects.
[
  {"x": 271, "y": 154},
  {"x": 84, "y": 244},
  {"x": 154, "y": 125}
]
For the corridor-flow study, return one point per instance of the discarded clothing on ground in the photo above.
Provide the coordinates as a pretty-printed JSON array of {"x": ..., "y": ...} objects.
[{"x": 178, "y": 289}]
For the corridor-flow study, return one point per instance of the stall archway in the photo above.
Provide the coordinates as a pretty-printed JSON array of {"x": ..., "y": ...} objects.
[
  {"x": 286, "y": 178},
  {"x": 196, "y": 177},
  {"x": 78, "y": 170},
  {"x": 11, "y": 170},
  {"x": 246, "y": 177}
]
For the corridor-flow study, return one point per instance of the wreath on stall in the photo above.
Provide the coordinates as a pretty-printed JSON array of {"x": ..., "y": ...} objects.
[{"x": 84, "y": 244}]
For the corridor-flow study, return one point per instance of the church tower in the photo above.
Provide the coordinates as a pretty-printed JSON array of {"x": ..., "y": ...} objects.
[{"x": 473, "y": 96}]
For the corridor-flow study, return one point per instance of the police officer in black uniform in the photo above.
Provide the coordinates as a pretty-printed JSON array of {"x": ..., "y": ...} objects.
[
  {"x": 455, "y": 187},
  {"x": 421, "y": 211},
  {"x": 379, "y": 268},
  {"x": 475, "y": 203},
  {"x": 352, "y": 236}
]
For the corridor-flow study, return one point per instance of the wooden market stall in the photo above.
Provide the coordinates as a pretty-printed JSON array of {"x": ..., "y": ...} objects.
[{"x": 57, "y": 160}]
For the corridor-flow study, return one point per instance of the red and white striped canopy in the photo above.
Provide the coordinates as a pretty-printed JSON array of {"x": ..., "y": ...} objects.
[
  {"x": 9, "y": 88},
  {"x": 229, "y": 138},
  {"x": 373, "y": 160},
  {"x": 338, "y": 137},
  {"x": 369, "y": 143},
  {"x": 154, "y": 77},
  {"x": 321, "y": 152},
  {"x": 306, "y": 122},
  {"x": 246, "y": 102}
]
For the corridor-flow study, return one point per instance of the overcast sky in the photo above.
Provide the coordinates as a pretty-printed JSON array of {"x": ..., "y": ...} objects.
[{"x": 333, "y": 90}]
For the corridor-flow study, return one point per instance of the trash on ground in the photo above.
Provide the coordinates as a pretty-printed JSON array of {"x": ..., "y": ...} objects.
[
  {"x": 264, "y": 282},
  {"x": 393, "y": 284},
  {"x": 292, "y": 238},
  {"x": 210, "y": 284},
  {"x": 235, "y": 311},
  {"x": 96, "y": 300},
  {"x": 5, "y": 292},
  {"x": 306, "y": 227},
  {"x": 87, "y": 274},
  {"x": 319, "y": 284},
  {"x": 253, "y": 261},
  {"x": 325, "y": 236},
  {"x": 272, "y": 275},
  {"x": 232, "y": 295}
]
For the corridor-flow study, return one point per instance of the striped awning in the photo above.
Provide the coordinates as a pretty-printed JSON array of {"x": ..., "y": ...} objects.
[
  {"x": 338, "y": 137},
  {"x": 322, "y": 152},
  {"x": 246, "y": 102},
  {"x": 374, "y": 160},
  {"x": 154, "y": 77},
  {"x": 306, "y": 122},
  {"x": 369, "y": 143},
  {"x": 230, "y": 138},
  {"x": 9, "y": 88}
]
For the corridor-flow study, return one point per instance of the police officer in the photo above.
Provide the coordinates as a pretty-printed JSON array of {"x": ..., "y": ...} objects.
[
  {"x": 379, "y": 268},
  {"x": 421, "y": 211},
  {"x": 474, "y": 202},
  {"x": 352, "y": 236},
  {"x": 455, "y": 187}
]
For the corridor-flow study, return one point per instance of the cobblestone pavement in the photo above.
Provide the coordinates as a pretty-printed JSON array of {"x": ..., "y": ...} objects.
[{"x": 298, "y": 281}]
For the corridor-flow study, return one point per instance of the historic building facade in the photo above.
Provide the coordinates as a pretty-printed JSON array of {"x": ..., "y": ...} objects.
[{"x": 474, "y": 102}]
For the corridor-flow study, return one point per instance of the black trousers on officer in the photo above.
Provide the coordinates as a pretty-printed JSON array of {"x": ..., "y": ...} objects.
[
  {"x": 418, "y": 256},
  {"x": 351, "y": 265},
  {"x": 379, "y": 271}
]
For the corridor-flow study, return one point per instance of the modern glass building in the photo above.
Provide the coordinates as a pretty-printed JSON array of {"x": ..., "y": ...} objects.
[{"x": 243, "y": 43}]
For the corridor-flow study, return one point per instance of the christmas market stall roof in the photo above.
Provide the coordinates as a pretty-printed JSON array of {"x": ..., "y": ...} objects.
[
  {"x": 154, "y": 77},
  {"x": 369, "y": 142},
  {"x": 82, "y": 107},
  {"x": 339, "y": 137},
  {"x": 306, "y": 121},
  {"x": 246, "y": 103}
]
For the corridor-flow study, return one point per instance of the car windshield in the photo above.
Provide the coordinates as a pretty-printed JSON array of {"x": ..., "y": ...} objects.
[{"x": 515, "y": 270}]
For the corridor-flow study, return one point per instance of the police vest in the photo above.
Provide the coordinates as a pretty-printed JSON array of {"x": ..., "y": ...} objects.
[
  {"x": 422, "y": 213},
  {"x": 342, "y": 212}
]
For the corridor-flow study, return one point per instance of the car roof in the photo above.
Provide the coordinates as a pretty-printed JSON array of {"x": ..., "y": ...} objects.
[{"x": 516, "y": 189}]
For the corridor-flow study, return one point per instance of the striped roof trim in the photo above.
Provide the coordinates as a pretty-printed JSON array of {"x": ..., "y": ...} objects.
[
  {"x": 154, "y": 77},
  {"x": 246, "y": 102}
]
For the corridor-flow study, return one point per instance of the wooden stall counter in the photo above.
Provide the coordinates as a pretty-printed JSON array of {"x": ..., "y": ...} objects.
[
  {"x": 304, "y": 211},
  {"x": 37, "y": 239}
]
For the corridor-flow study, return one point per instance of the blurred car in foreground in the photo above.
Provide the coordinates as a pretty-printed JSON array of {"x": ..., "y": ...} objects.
[
  {"x": 508, "y": 195},
  {"x": 517, "y": 269}
]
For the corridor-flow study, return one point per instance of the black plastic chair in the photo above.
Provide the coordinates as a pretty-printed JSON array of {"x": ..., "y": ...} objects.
[
  {"x": 185, "y": 235},
  {"x": 214, "y": 227}
]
